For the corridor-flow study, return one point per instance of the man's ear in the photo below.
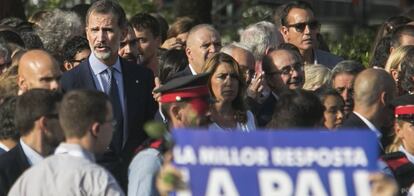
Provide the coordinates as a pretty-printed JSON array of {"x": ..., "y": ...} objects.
[
  {"x": 68, "y": 66},
  {"x": 22, "y": 83},
  {"x": 95, "y": 129},
  {"x": 42, "y": 123},
  {"x": 188, "y": 52},
  {"x": 284, "y": 31},
  {"x": 175, "y": 112},
  {"x": 398, "y": 130}
]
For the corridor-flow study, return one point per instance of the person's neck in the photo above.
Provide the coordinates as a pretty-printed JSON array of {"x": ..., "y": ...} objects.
[
  {"x": 36, "y": 141},
  {"x": 196, "y": 68},
  {"x": 83, "y": 142},
  {"x": 223, "y": 108},
  {"x": 9, "y": 143},
  {"x": 153, "y": 65},
  {"x": 308, "y": 56},
  {"x": 370, "y": 113}
]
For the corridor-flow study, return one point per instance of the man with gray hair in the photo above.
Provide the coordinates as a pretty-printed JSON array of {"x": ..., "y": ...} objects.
[
  {"x": 202, "y": 42},
  {"x": 342, "y": 81},
  {"x": 244, "y": 58},
  {"x": 260, "y": 38}
]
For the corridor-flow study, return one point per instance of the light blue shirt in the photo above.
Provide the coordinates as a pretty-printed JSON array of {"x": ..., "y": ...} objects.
[
  {"x": 32, "y": 156},
  {"x": 101, "y": 78},
  {"x": 142, "y": 172}
]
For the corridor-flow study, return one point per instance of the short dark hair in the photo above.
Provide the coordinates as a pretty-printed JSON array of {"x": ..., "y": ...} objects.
[
  {"x": 297, "y": 109},
  {"x": 399, "y": 32},
  {"x": 171, "y": 62},
  {"x": 294, "y": 4},
  {"x": 323, "y": 93},
  {"x": 73, "y": 46},
  {"x": 105, "y": 7},
  {"x": 31, "y": 40},
  {"x": 407, "y": 71},
  {"x": 146, "y": 21},
  {"x": 7, "y": 126},
  {"x": 32, "y": 105},
  {"x": 79, "y": 109},
  {"x": 381, "y": 52}
]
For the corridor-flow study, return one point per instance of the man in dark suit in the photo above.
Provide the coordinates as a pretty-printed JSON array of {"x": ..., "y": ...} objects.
[
  {"x": 129, "y": 86},
  {"x": 37, "y": 121},
  {"x": 283, "y": 70},
  {"x": 202, "y": 42},
  {"x": 374, "y": 90}
]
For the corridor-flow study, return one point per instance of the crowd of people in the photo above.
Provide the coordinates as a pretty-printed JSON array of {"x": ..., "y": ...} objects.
[{"x": 77, "y": 87}]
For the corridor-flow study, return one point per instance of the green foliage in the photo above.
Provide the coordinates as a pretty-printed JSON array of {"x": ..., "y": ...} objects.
[
  {"x": 133, "y": 7},
  {"x": 353, "y": 47},
  {"x": 255, "y": 14}
]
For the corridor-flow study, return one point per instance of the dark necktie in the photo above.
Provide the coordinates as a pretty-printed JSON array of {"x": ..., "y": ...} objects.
[{"x": 117, "y": 139}]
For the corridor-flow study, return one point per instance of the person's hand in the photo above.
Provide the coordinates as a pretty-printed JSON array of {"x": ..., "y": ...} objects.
[
  {"x": 382, "y": 185},
  {"x": 156, "y": 96},
  {"x": 258, "y": 90},
  {"x": 169, "y": 177},
  {"x": 173, "y": 43}
]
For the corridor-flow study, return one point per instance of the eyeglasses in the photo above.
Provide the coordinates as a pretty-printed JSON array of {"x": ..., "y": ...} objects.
[
  {"x": 286, "y": 70},
  {"x": 300, "y": 27}
]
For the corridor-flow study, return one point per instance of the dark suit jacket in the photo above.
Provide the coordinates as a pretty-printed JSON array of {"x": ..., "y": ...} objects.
[
  {"x": 12, "y": 165},
  {"x": 353, "y": 121},
  {"x": 184, "y": 72},
  {"x": 139, "y": 103},
  {"x": 263, "y": 112}
]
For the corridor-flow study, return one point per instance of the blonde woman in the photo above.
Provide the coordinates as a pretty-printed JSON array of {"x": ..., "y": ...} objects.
[
  {"x": 317, "y": 76},
  {"x": 393, "y": 65}
]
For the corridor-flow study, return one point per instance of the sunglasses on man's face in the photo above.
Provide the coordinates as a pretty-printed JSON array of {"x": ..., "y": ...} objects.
[{"x": 300, "y": 27}]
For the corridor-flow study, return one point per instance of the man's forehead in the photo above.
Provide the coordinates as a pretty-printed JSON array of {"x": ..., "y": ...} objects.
[
  {"x": 282, "y": 58},
  {"x": 96, "y": 17},
  {"x": 299, "y": 15}
]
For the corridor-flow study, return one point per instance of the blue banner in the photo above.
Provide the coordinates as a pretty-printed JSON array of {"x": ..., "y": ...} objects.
[{"x": 299, "y": 162}]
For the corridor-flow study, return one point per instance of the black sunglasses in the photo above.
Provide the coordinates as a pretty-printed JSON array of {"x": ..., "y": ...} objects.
[{"x": 300, "y": 27}]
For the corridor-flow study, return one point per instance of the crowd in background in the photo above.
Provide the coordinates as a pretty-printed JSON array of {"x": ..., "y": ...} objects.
[{"x": 78, "y": 86}]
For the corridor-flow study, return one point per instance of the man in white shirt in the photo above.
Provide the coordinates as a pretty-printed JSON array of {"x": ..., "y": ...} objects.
[
  {"x": 87, "y": 121},
  {"x": 37, "y": 121}
]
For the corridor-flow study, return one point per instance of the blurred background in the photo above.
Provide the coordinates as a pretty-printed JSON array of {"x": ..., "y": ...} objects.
[{"x": 348, "y": 26}]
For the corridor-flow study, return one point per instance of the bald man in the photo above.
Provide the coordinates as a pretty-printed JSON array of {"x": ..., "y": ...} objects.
[
  {"x": 373, "y": 91},
  {"x": 38, "y": 69},
  {"x": 244, "y": 58},
  {"x": 202, "y": 42}
]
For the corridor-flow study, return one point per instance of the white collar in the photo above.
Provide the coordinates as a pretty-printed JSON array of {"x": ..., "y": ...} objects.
[
  {"x": 32, "y": 156},
  {"x": 74, "y": 150},
  {"x": 4, "y": 147},
  {"x": 370, "y": 125},
  {"x": 409, "y": 156},
  {"x": 192, "y": 70}
]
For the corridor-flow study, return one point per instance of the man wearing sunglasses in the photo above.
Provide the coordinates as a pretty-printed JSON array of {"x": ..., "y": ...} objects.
[{"x": 299, "y": 27}]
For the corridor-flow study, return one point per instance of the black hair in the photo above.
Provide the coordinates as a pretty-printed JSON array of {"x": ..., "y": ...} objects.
[
  {"x": 381, "y": 52},
  {"x": 297, "y": 109},
  {"x": 146, "y": 21},
  {"x": 7, "y": 126},
  {"x": 293, "y": 4},
  {"x": 73, "y": 46},
  {"x": 171, "y": 62}
]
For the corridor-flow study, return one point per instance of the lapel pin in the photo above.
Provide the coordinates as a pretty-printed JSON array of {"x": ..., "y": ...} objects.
[{"x": 137, "y": 81}]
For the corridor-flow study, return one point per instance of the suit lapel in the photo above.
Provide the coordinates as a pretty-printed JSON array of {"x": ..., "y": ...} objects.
[
  {"x": 86, "y": 76},
  {"x": 23, "y": 163}
]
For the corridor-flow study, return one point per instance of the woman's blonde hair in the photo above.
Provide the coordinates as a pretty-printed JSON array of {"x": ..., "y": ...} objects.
[
  {"x": 317, "y": 76},
  {"x": 396, "y": 57}
]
